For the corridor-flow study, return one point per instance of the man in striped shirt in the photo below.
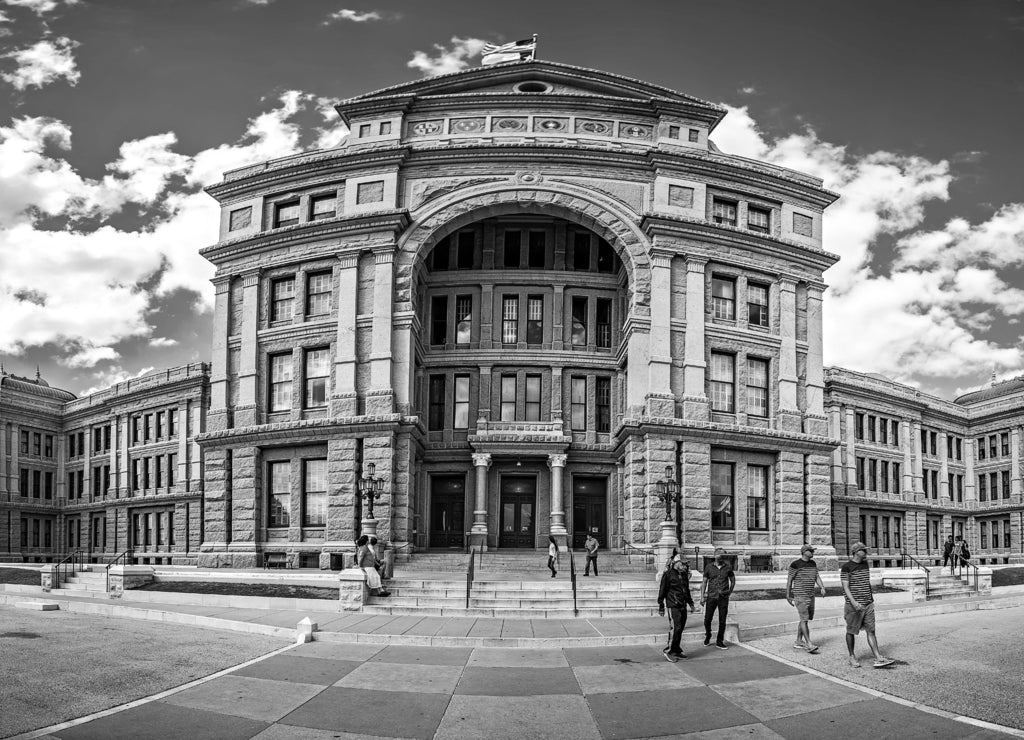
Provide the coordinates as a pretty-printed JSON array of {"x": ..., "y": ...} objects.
[
  {"x": 860, "y": 604},
  {"x": 800, "y": 586}
]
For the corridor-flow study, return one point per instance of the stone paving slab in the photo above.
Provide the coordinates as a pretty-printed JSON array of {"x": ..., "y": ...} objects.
[
  {"x": 518, "y": 682},
  {"x": 239, "y": 696},
  {"x": 874, "y": 718}
]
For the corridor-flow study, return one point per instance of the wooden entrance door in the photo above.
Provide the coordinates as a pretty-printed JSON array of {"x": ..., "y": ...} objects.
[
  {"x": 589, "y": 510},
  {"x": 447, "y": 511},
  {"x": 518, "y": 505}
]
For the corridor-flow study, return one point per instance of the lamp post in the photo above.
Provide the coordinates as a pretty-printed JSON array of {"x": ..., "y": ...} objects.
[
  {"x": 667, "y": 489},
  {"x": 371, "y": 488}
]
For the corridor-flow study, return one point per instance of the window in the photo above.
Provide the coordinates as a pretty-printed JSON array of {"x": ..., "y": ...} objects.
[
  {"x": 757, "y": 387},
  {"x": 693, "y": 136},
  {"x": 883, "y": 476},
  {"x": 896, "y": 433},
  {"x": 581, "y": 252},
  {"x": 461, "y": 417},
  {"x": 1004, "y": 444},
  {"x": 172, "y": 426},
  {"x": 97, "y": 439},
  {"x": 537, "y": 255},
  {"x": 984, "y": 535},
  {"x": 314, "y": 493},
  {"x": 159, "y": 424},
  {"x": 578, "y": 405},
  {"x": 282, "y": 304},
  {"x": 883, "y": 431},
  {"x": 509, "y": 319},
  {"x": 145, "y": 463},
  {"x": 279, "y": 495},
  {"x": 24, "y": 478},
  {"x": 466, "y": 250},
  {"x": 37, "y": 444},
  {"x": 721, "y": 495},
  {"x": 534, "y": 319},
  {"x": 995, "y": 534},
  {"x": 874, "y": 532},
  {"x": 896, "y": 478},
  {"x": 37, "y": 483},
  {"x": 960, "y": 488},
  {"x": 1006, "y": 534},
  {"x": 240, "y": 218},
  {"x": 933, "y": 439},
  {"x": 508, "y": 398},
  {"x": 757, "y": 304},
  {"x": 23, "y": 445},
  {"x": 1005, "y": 483},
  {"x": 992, "y": 446},
  {"x": 861, "y": 465},
  {"x": 872, "y": 475},
  {"x": 723, "y": 298},
  {"x": 579, "y": 321},
  {"x": 673, "y": 132},
  {"x": 604, "y": 322},
  {"x": 723, "y": 212},
  {"x": 981, "y": 448},
  {"x": 159, "y": 472},
  {"x": 439, "y": 319},
  {"x": 385, "y": 128},
  {"x": 286, "y": 214},
  {"x": 982, "y": 487},
  {"x": 757, "y": 497},
  {"x": 135, "y": 434},
  {"x": 603, "y": 404},
  {"x": 858, "y": 427},
  {"x": 435, "y": 412},
  {"x": 871, "y": 428},
  {"x": 172, "y": 466},
  {"x": 322, "y": 206},
  {"x": 723, "y": 373},
  {"x": 897, "y": 532},
  {"x": 605, "y": 256},
  {"x": 147, "y": 429},
  {"x": 463, "y": 319},
  {"x": 440, "y": 255},
  {"x": 533, "y": 397},
  {"x": 281, "y": 382},
  {"x": 135, "y": 479},
  {"x": 318, "y": 294},
  {"x": 959, "y": 449},
  {"x": 48, "y": 482},
  {"x": 993, "y": 486},
  {"x": 759, "y": 219},
  {"x": 511, "y": 256},
  {"x": 318, "y": 368}
]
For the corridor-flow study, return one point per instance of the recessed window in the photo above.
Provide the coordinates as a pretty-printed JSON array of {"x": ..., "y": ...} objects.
[
  {"x": 240, "y": 218},
  {"x": 322, "y": 206},
  {"x": 757, "y": 497},
  {"x": 723, "y": 298},
  {"x": 604, "y": 323},
  {"x": 318, "y": 369},
  {"x": 723, "y": 382},
  {"x": 803, "y": 225},
  {"x": 757, "y": 304},
  {"x": 511, "y": 256},
  {"x": 435, "y": 413},
  {"x": 759, "y": 219},
  {"x": 673, "y": 132},
  {"x": 460, "y": 415},
  {"x": 466, "y": 250},
  {"x": 723, "y": 212},
  {"x": 578, "y": 404},
  {"x": 439, "y": 319},
  {"x": 463, "y": 319},
  {"x": 281, "y": 382},
  {"x": 694, "y": 135},
  {"x": 579, "y": 321},
  {"x": 581, "y": 252},
  {"x": 385, "y": 128},
  {"x": 509, "y": 319},
  {"x": 537, "y": 254},
  {"x": 507, "y": 409},
  {"x": 534, "y": 319},
  {"x": 532, "y": 87},
  {"x": 533, "y": 397},
  {"x": 314, "y": 493},
  {"x": 318, "y": 294},
  {"x": 603, "y": 403},
  {"x": 722, "y": 495},
  {"x": 286, "y": 214},
  {"x": 605, "y": 256},
  {"x": 757, "y": 387},
  {"x": 440, "y": 256},
  {"x": 282, "y": 305},
  {"x": 279, "y": 494}
]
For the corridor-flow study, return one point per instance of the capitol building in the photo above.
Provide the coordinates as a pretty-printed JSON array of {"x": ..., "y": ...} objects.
[{"x": 527, "y": 298}]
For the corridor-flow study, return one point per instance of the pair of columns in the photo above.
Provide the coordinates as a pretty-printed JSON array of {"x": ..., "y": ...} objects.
[{"x": 482, "y": 463}]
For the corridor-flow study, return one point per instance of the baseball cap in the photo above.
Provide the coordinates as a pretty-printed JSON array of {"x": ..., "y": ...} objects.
[
  {"x": 858, "y": 546},
  {"x": 807, "y": 547}
]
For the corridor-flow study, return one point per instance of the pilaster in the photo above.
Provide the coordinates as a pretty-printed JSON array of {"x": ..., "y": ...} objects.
[
  {"x": 556, "y": 463},
  {"x": 660, "y": 402},
  {"x": 344, "y": 401},
  {"x": 788, "y": 411},
  {"x": 219, "y": 357},
  {"x": 695, "y": 402},
  {"x": 380, "y": 399},
  {"x": 245, "y": 413}
]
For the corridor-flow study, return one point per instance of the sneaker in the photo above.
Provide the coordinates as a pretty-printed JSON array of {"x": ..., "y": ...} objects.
[
  {"x": 671, "y": 658},
  {"x": 721, "y": 646},
  {"x": 799, "y": 646},
  {"x": 665, "y": 650},
  {"x": 854, "y": 663},
  {"x": 680, "y": 655},
  {"x": 883, "y": 663},
  {"x": 812, "y": 649},
  {"x": 707, "y": 639},
  {"x": 585, "y": 575},
  {"x": 384, "y": 593}
]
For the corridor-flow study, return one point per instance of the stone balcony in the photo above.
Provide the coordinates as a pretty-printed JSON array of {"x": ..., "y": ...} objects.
[{"x": 512, "y": 436}]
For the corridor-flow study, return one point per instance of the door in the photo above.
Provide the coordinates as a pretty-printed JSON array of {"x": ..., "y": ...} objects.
[
  {"x": 518, "y": 504},
  {"x": 589, "y": 510},
  {"x": 447, "y": 511}
]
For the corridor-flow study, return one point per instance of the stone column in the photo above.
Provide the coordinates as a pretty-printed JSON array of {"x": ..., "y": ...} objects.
[
  {"x": 15, "y": 486},
  {"x": 815, "y": 367},
  {"x": 788, "y": 411},
  {"x": 660, "y": 401},
  {"x": 340, "y": 532},
  {"x": 836, "y": 432},
  {"x": 556, "y": 394},
  {"x": 789, "y": 501},
  {"x": 380, "y": 399},
  {"x": 478, "y": 532},
  {"x": 245, "y": 507},
  {"x": 695, "y": 402},
  {"x": 215, "y": 510},
  {"x": 557, "y": 465},
  {"x": 218, "y": 413},
  {"x": 245, "y": 413},
  {"x": 851, "y": 449},
  {"x": 1015, "y": 463},
  {"x": 3, "y": 459},
  {"x": 87, "y": 463},
  {"x": 114, "y": 458},
  {"x": 558, "y": 310},
  {"x": 381, "y": 452},
  {"x": 343, "y": 396},
  {"x": 906, "y": 442},
  {"x": 944, "y": 491},
  {"x": 915, "y": 439}
]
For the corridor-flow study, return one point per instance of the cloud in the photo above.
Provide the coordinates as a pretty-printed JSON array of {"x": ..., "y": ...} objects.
[
  {"x": 41, "y": 7},
  {"x": 333, "y": 132},
  {"x": 163, "y": 342},
  {"x": 117, "y": 374},
  {"x": 748, "y": 90},
  {"x": 354, "y": 16},
  {"x": 930, "y": 301},
  {"x": 89, "y": 357},
  {"x": 44, "y": 62},
  {"x": 447, "y": 60}
]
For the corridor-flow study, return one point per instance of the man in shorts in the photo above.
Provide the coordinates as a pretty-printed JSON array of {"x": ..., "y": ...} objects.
[
  {"x": 800, "y": 586},
  {"x": 859, "y": 609}
]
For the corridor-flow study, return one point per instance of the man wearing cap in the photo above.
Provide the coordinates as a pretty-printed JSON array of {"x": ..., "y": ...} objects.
[
  {"x": 717, "y": 583},
  {"x": 675, "y": 589},
  {"x": 859, "y": 609},
  {"x": 803, "y": 579}
]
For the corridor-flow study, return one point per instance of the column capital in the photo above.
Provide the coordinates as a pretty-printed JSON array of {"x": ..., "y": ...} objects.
[
  {"x": 251, "y": 277},
  {"x": 815, "y": 291},
  {"x": 348, "y": 260},
  {"x": 696, "y": 264},
  {"x": 481, "y": 460},
  {"x": 557, "y": 461},
  {"x": 661, "y": 258},
  {"x": 383, "y": 255},
  {"x": 221, "y": 283},
  {"x": 787, "y": 283}
]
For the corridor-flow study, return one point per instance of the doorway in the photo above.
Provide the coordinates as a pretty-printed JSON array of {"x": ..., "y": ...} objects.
[
  {"x": 518, "y": 504},
  {"x": 447, "y": 511},
  {"x": 589, "y": 509}
]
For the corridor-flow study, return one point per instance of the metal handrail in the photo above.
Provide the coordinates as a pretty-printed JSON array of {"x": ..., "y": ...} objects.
[
  {"x": 977, "y": 576},
  {"x": 927, "y": 573},
  {"x": 76, "y": 557},
  {"x": 122, "y": 558},
  {"x": 572, "y": 579},
  {"x": 648, "y": 555},
  {"x": 469, "y": 575}
]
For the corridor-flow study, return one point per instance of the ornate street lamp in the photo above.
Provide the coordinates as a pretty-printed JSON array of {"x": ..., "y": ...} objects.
[
  {"x": 371, "y": 488},
  {"x": 668, "y": 491}
]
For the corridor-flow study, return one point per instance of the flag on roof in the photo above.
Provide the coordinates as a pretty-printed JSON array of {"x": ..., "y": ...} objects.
[{"x": 514, "y": 51}]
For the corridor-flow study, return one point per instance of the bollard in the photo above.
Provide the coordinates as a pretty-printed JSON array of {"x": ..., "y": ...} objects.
[{"x": 304, "y": 630}]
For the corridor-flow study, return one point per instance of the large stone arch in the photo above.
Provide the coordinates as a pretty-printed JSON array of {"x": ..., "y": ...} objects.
[{"x": 605, "y": 217}]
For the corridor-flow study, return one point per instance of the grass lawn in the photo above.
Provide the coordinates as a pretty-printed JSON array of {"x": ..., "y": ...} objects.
[
  {"x": 1008, "y": 577},
  {"x": 767, "y": 594},
  {"x": 272, "y": 590},
  {"x": 19, "y": 576}
]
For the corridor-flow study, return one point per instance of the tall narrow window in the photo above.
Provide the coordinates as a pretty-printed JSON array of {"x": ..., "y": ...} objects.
[
  {"x": 282, "y": 305},
  {"x": 322, "y": 206},
  {"x": 281, "y": 382},
  {"x": 534, "y": 319},
  {"x": 461, "y": 410},
  {"x": 858, "y": 426},
  {"x": 508, "y": 397},
  {"x": 48, "y": 444},
  {"x": 440, "y": 256},
  {"x": 509, "y": 318},
  {"x": 23, "y": 446},
  {"x": 318, "y": 368},
  {"x": 981, "y": 448},
  {"x": 723, "y": 382},
  {"x": 435, "y": 412},
  {"x": 604, "y": 322},
  {"x": 318, "y": 294},
  {"x": 605, "y": 256},
  {"x": 1005, "y": 483},
  {"x": 172, "y": 466},
  {"x": 895, "y": 433},
  {"x": 871, "y": 428},
  {"x": 158, "y": 472},
  {"x": 897, "y": 532},
  {"x": 883, "y": 431},
  {"x": 757, "y": 304},
  {"x": 579, "y": 321},
  {"x": 512, "y": 257},
  {"x": 723, "y": 298},
  {"x": 757, "y": 497},
  {"x": 723, "y": 212},
  {"x": 439, "y": 319},
  {"x": 722, "y": 495},
  {"x": 48, "y": 482},
  {"x": 537, "y": 255},
  {"x": 982, "y": 487},
  {"x": 1004, "y": 444},
  {"x": 286, "y": 214},
  {"x": 603, "y": 404},
  {"x": 993, "y": 485},
  {"x": 465, "y": 250},
  {"x": 533, "y": 397},
  {"x": 581, "y": 252},
  {"x": 37, "y": 483},
  {"x": 159, "y": 425},
  {"x": 757, "y": 387},
  {"x": 883, "y": 476},
  {"x": 578, "y": 404},
  {"x": 172, "y": 427},
  {"x": 759, "y": 219},
  {"x": 314, "y": 494},
  {"x": 279, "y": 495},
  {"x": 463, "y": 319}
]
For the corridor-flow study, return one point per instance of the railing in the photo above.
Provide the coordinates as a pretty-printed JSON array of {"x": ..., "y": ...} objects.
[
  {"x": 75, "y": 558},
  {"x": 572, "y": 579},
  {"x": 470, "y": 572},
  {"x": 927, "y": 573},
  {"x": 959, "y": 570},
  {"x": 632, "y": 551},
  {"x": 123, "y": 558}
]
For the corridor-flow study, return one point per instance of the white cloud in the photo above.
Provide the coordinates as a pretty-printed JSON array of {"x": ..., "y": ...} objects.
[
  {"x": 89, "y": 357},
  {"x": 44, "y": 62},
  {"x": 748, "y": 90},
  {"x": 447, "y": 60},
  {"x": 163, "y": 342},
  {"x": 41, "y": 7},
  {"x": 333, "y": 132},
  {"x": 117, "y": 374},
  {"x": 354, "y": 16}
]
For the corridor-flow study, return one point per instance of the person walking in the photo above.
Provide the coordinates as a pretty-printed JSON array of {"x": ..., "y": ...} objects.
[
  {"x": 674, "y": 592},
  {"x": 800, "y": 585},
  {"x": 552, "y": 555},
  {"x": 959, "y": 547},
  {"x": 590, "y": 545},
  {"x": 859, "y": 609},
  {"x": 947, "y": 552},
  {"x": 718, "y": 582},
  {"x": 368, "y": 563}
]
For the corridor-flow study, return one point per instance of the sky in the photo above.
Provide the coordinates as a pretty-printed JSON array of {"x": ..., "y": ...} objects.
[{"x": 114, "y": 114}]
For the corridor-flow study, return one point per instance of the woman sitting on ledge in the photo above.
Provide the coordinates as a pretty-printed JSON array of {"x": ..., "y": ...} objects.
[{"x": 366, "y": 560}]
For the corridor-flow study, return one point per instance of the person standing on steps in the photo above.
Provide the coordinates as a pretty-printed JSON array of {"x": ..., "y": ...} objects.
[
  {"x": 552, "y": 555},
  {"x": 590, "y": 545},
  {"x": 800, "y": 586},
  {"x": 859, "y": 609},
  {"x": 947, "y": 552},
  {"x": 674, "y": 593},
  {"x": 718, "y": 582}
]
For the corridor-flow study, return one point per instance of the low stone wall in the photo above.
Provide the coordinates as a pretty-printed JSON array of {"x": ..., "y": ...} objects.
[
  {"x": 352, "y": 589},
  {"x": 124, "y": 577}
]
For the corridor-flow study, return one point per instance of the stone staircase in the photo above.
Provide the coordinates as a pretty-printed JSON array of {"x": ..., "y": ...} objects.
[
  {"x": 519, "y": 561},
  {"x": 943, "y": 585}
]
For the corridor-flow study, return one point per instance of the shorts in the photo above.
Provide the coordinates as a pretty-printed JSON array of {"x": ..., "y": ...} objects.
[
  {"x": 859, "y": 620},
  {"x": 804, "y": 608}
]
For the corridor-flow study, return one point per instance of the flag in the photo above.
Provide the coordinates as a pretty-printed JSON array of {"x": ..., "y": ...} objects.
[{"x": 514, "y": 51}]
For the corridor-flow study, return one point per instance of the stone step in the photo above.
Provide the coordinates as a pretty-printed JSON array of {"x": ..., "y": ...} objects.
[
  {"x": 433, "y": 611},
  {"x": 541, "y": 585},
  {"x": 79, "y": 586},
  {"x": 440, "y": 593}
]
